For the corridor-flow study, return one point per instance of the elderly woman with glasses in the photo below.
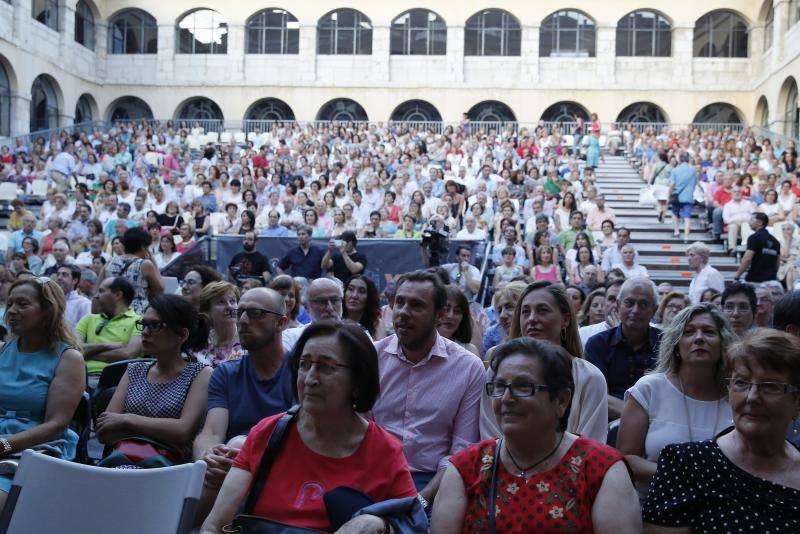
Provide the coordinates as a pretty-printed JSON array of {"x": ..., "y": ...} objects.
[
  {"x": 162, "y": 401},
  {"x": 537, "y": 476},
  {"x": 683, "y": 399},
  {"x": 748, "y": 477},
  {"x": 328, "y": 445},
  {"x": 669, "y": 306},
  {"x": 42, "y": 375},
  {"x": 195, "y": 279}
]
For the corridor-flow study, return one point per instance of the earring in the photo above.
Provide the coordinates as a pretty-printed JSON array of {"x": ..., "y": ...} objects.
[{"x": 563, "y": 335}]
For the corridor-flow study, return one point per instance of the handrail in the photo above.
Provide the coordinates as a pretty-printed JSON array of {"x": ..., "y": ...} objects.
[{"x": 484, "y": 266}]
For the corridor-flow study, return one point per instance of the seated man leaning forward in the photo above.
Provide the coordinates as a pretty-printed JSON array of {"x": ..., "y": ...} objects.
[
  {"x": 243, "y": 392},
  {"x": 109, "y": 334}
]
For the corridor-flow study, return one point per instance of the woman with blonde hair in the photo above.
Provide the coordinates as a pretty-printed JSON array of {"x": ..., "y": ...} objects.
[
  {"x": 671, "y": 304},
  {"x": 683, "y": 399},
  {"x": 42, "y": 374},
  {"x": 218, "y": 302},
  {"x": 593, "y": 308}
]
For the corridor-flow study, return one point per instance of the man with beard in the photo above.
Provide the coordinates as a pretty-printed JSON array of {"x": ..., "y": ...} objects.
[
  {"x": 243, "y": 392},
  {"x": 430, "y": 386},
  {"x": 249, "y": 263}
]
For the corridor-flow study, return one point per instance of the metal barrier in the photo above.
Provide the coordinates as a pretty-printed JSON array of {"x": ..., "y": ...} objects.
[{"x": 200, "y": 253}]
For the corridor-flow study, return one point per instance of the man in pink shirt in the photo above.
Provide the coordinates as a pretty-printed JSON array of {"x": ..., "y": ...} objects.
[
  {"x": 736, "y": 214},
  {"x": 599, "y": 213},
  {"x": 430, "y": 386}
]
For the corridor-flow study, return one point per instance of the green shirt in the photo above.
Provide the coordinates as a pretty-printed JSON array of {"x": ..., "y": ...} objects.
[
  {"x": 567, "y": 238},
  {"x": 119, "y": 329}
]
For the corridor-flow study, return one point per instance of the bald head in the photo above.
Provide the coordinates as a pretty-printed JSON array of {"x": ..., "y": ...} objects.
[{"x": 266, "y": 298}]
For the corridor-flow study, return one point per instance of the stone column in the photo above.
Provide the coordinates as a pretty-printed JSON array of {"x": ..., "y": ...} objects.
[
  {"x": 22, "y": 14},
  {"x": 379, "y": 69},
  {"x": 529, "y": 51},
  {"x": 101, "y": 53},
  {"x": 236, "y": 51},
  {"x": 682, "y": 58},
  {"x": 20, "y": 122},
  {"x": 606, "y": 53},
  {"x": 781, "y": 26},
  {"x": 166, "y": 54},
  {"x": 455, "y": 55},
  {"x": 66, "y": 30},
  {"x": 307, "y": 57}
]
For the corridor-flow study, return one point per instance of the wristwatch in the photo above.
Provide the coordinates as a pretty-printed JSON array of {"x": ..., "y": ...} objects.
[
  {"x": 6, "y": 447},
  {"x": 423, "y": 501}
]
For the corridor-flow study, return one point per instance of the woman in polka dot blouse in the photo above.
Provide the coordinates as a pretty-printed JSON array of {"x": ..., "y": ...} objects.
[
  {"x": 748, "y": 478},
  {"x": 536, "y": 477}
]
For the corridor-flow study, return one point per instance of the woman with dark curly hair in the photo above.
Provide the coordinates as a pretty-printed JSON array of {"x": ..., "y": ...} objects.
[
  {"x": 362, "y": 305},
  {"x": 455, "y": 323}
]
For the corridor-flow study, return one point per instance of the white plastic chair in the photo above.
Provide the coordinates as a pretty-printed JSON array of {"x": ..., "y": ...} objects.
[
  {"x": 240, "y": 138},
  {"x": 152, "y": 159},
  {"x": 212, "y": 137},
  {"x": 569, "y": 140},
  {"x": 8, "y": 191},
  {"x": 194, "y": 142},
  {"x": 39, "y": 188},
  {"x": 52, "y": 495},
  {"x": 225, "y": 137},
  {"x": 251, "y": 136}
]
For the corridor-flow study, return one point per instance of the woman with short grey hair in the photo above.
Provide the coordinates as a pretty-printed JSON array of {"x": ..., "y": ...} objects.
[
  {"x": 683, "y": 398},
  {"x": 706, "y": 276}
]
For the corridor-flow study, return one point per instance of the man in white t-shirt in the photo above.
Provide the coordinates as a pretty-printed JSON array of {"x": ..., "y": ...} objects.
[
  {"x": 471, "y": 230},
  {"x": 706, "y": 277}
]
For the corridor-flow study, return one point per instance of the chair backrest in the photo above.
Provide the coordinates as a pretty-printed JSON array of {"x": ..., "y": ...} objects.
[
  {"x": 82, "y": 425},
  {"x": 240, "y": 138},
  {"x": 225, "y": 137},
  {"x": 8, "y": 190},
  {"x": 109, "y": 379},
  {"x": 52, "y": 495},
  {"x": 39, "y": 188}
]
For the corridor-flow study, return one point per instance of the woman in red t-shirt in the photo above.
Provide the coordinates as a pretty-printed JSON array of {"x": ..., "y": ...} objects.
[
  {"x": 546, "y": 479},
  {"x": 328, "y": 445}
]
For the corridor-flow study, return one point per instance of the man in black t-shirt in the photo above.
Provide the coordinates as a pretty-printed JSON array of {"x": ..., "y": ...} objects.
[
  {"x": 763, "y": 252},
  {"x": 249, "y": 263},
  {"x": 343, "y": 258}
]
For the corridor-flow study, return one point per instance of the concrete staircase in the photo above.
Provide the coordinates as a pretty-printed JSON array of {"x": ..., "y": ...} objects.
[{"x": 663, "y": 255}]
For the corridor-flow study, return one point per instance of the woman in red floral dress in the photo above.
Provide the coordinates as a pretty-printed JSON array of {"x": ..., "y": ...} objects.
[{"x": 546, "y": 479}]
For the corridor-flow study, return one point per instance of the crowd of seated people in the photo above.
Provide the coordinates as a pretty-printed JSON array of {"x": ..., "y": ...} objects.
[{"x": 419, "y": 399}]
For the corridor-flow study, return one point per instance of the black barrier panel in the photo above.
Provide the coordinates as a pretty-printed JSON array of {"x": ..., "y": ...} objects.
[{"x": 387, "y": 259}]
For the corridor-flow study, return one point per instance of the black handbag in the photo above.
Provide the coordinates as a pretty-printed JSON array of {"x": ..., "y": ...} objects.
[{"x": 247, "y": 523}]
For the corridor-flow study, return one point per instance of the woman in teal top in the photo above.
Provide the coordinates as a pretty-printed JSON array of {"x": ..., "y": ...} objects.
[
  {"x": 593, "y": 152},
  {"x": 42, "y": 375}
]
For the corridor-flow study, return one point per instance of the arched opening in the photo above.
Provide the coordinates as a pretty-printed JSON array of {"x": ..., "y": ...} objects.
[
  {"x": 718, "y": 113},
  {"x": 564, "y": 112},
  {"x": 270, "y": 109},
  {"x": 762, "y": 112},
  {"x": 491, "y": 111},
  {"x": 642, "y": 113},
  {"x": 5, "y": 100},
  {"x": 720, "y": 33},
  {"x": 44, "y": 104},
  {"x": 418, "y": 32},
  {"x": 84, "y": 24},
  {"x": 129, "y": 108},
  {"x": 132, "y": 31},
  {"x": 85, "y": 109},
  {"x": 492, "y": 32},
  {"x": 46, "y": 12},
  {"x": 416, "y": 111},
  {"x": 791, "y": 114},
  {"x": 202, "y": 31},
  {"x": 272, "y": 31},
  {"x": 342, "y": 110},
  {"x": 567, "y": 33}
]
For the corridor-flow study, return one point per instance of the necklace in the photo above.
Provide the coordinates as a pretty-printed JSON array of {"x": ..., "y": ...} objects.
[
  {"x": 522, "y": 470},
  {"x": 689, "y": 419}
]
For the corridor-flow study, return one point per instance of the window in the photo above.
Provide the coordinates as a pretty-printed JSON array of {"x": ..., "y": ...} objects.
[
  {"x": 641, "y": 112},
  {"x": 491, "y": 111},
  {"x": 270, "y": 109},
  {"x": 342, "y": 109},
  {"x": 644, "y": 34},
  {"x": 84, "y": 25},
  {"x": 132, "y": 31},
  {"x": 44, "y": 105},
  {"x": 720, "y": 34},
  {"x": 416, "y": 111},
  {"x": 344, "y": 32},
  {"x": 202, "y": 32},
  {"x": 83, "y": 109},
  {"x": 492, "y": 33},
  {"x": 717, "y": 114},
  {"x": 419, "y": 32},
  {"x": 46, "y": 12},
  {"x": 272, "y": 31},
  {"x": 130, "y": 108},
  {"x": 564, "y": 112},
  {"x": 200, "y": 109},
  {"x": 769, "y": 26},
  {"x": 567, "y": 33},
  {"x": 5, "y": 102}
]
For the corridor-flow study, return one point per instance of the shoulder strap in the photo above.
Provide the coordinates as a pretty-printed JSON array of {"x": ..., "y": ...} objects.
[
  {"x": 493, "y": 487},
  {"x": 270, "y": 452}
]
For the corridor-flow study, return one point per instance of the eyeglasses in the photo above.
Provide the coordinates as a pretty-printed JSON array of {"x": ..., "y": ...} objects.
[
  {"x": 518, "y": 389},
  {"x": 741, "y": 308},
  {"x": 304, "y": 365},
  {"x": 770, "y": 389},
  {"x": 189, "y": 282},
  {"x": 255, "y": 313},
  {"x": 324, "y": 301},
  {"x": 152, "y": 326}
]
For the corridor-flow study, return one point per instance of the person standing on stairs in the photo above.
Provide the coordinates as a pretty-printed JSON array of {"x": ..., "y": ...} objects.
[{"x": 683, "y": 181}]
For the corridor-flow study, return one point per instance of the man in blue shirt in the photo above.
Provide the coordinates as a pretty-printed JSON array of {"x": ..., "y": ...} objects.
[
  {"x": 683, "y": 180},
  {"x": 243, "y": 392},
  {"x": 28, "y": 230},
  {"x": 274, "y": 228},
  {"x": 208, "y": 199},
  {"x": 625, "y": 352},
  {"x": 305, "y": 259}
]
